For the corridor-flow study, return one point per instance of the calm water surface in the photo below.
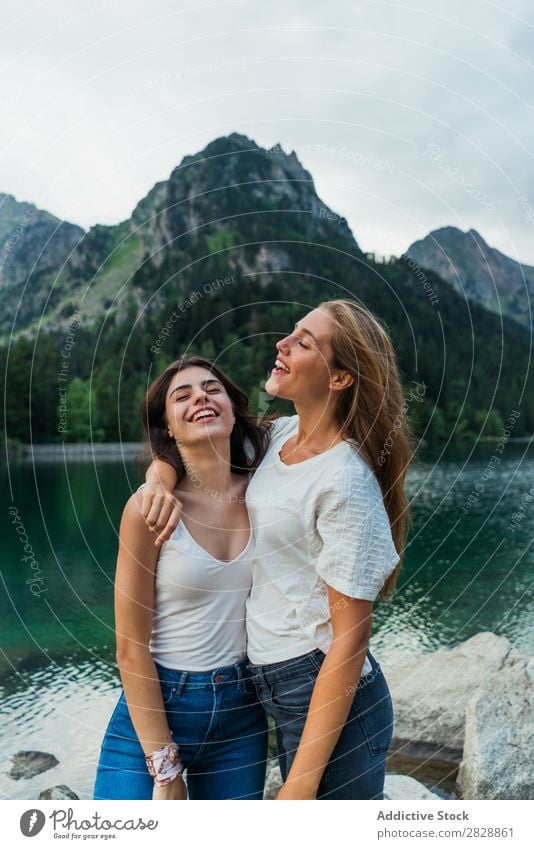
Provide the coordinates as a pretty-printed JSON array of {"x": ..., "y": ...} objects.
[{"x": 465, "y": 573}]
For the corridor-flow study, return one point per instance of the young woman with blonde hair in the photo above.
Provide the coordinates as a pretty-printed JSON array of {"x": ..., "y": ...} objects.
[{"x": 330, "y": 514}]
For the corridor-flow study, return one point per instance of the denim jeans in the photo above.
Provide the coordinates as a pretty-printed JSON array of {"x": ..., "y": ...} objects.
[
  {"x": 357, "y": 766},
  {"x": 218, "y": 723}
]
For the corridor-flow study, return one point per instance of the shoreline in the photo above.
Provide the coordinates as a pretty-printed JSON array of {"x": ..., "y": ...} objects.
[
  {"x": 79, "y": 451},
  {"x": 129, "y": 450}
]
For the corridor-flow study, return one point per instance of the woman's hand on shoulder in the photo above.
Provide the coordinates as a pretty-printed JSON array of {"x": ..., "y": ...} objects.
[
  {"x": 160, "y": 508},
  {"x": 176, "y": 789}
]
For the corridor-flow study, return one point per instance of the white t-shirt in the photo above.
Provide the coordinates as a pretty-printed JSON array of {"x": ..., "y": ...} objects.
[
  {"x": 318, "y": 522},
  {"x": 199, "y": 605}
]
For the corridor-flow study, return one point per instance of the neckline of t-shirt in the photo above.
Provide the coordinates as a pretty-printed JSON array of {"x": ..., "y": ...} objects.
[{"x": 326, "y": 453}]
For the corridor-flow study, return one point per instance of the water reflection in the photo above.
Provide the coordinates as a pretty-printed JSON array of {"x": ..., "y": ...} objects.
[
  {"x": 62, "y": 709},
  {"x": 466, "y": 572}
]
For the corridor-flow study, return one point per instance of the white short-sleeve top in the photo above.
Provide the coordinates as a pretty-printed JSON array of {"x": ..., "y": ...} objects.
[{"x": 321, "y": 521}]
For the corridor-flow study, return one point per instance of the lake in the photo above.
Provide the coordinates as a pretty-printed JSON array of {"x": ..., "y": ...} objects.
[{"x": 466, "y": 571}]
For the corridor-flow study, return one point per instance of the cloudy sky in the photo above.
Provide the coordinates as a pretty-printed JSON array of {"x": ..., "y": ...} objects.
[{"x": 409, "y": 115}]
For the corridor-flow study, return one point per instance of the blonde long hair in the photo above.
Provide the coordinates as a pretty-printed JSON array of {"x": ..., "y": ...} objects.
[{"x": 373, "y": 411}]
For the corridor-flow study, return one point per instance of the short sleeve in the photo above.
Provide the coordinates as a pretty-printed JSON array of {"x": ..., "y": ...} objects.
[{"x": 357, "y": 552}]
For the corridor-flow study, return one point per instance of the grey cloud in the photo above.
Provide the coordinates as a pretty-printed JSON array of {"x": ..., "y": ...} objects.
[{"x": 104, "y": 100}]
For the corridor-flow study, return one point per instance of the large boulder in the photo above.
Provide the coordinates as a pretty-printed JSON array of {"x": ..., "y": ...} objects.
[
  {"x": 403, "y": 787},
  {"x": 498, "y": 760},
  {"x": 60, "y": 791},
  {"x": 430, "y": 696},
  {"x": 471, "y": 706},
  {"x": 30, "y": 763},
  {"x": 273, "y": 782}
]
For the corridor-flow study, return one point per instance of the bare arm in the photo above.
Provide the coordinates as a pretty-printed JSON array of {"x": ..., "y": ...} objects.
[
  {"x": 134, "y": 604},
  {"x": 160, "y": 508},
  {"x": 332, "y": 696}
]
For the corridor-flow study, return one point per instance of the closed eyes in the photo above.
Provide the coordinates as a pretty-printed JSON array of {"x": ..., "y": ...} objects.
[{"x": 209, "y": 392}]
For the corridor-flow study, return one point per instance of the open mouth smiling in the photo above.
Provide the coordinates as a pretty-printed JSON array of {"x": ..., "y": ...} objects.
[
  {"x": 280, "y": 367},
  {"x": 205, "y": 414}
]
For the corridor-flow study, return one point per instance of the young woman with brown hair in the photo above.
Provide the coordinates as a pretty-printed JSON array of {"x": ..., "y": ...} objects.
[{"x": 187, "y": 701}]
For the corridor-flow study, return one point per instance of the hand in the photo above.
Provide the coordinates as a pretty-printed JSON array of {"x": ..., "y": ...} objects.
[
  {"x": 177, "y": 789},
  {"x": 161, "y": 511}
]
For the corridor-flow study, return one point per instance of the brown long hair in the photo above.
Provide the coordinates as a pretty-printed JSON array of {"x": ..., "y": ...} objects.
[
  {"x": 373, "y": 411},
  {"x": 246, "y": 427}
]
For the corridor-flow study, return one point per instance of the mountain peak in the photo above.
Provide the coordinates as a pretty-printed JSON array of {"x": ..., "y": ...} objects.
[
  {"x": 236, "y": 177},
  {"x": 233, "y": 207},
  {"x": 32, "y": 241},
  {"x": 479, "y": 272},
  {"x": 236, "y": 152},
  {"x": 475, "y": 235}
]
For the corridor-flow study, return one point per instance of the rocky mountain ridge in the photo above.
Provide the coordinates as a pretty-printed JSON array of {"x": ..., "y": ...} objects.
[
  {"x": 213, "y": 201},
  {"x": 478, "y": 272}
]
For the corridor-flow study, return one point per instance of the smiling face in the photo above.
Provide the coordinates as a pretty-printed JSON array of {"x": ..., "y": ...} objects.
[
  {"x": 197, "y": 407},
  {"x": 304, "y": 369}
]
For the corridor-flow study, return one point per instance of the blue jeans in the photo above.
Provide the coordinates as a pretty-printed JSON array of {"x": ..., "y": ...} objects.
[
  {"x": 357, "y": 766},
  {"x": 219, "y": 725}
]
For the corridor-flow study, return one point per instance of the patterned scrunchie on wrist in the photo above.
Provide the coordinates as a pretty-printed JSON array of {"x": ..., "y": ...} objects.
[{"x": 165, "y": 764}]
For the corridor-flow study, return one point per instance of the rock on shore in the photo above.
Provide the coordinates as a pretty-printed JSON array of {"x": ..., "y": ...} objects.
[
  {"x": 60, "y": 791},
  {"x": 498, "y": 761},
  {"x": 402, "y": 787},
  {"x": 470, "y": 707},
  {"x": 28, "y": 764},
  {"x": 467, "y": 711},
  {"x": 430, "y": 696}
]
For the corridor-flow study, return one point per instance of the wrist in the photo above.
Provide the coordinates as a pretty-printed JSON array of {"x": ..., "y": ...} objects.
[
  {"x": 160, "y": 473},
  {"x": 306, "y": 784},
  {"x": 165, "y": 764}
]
